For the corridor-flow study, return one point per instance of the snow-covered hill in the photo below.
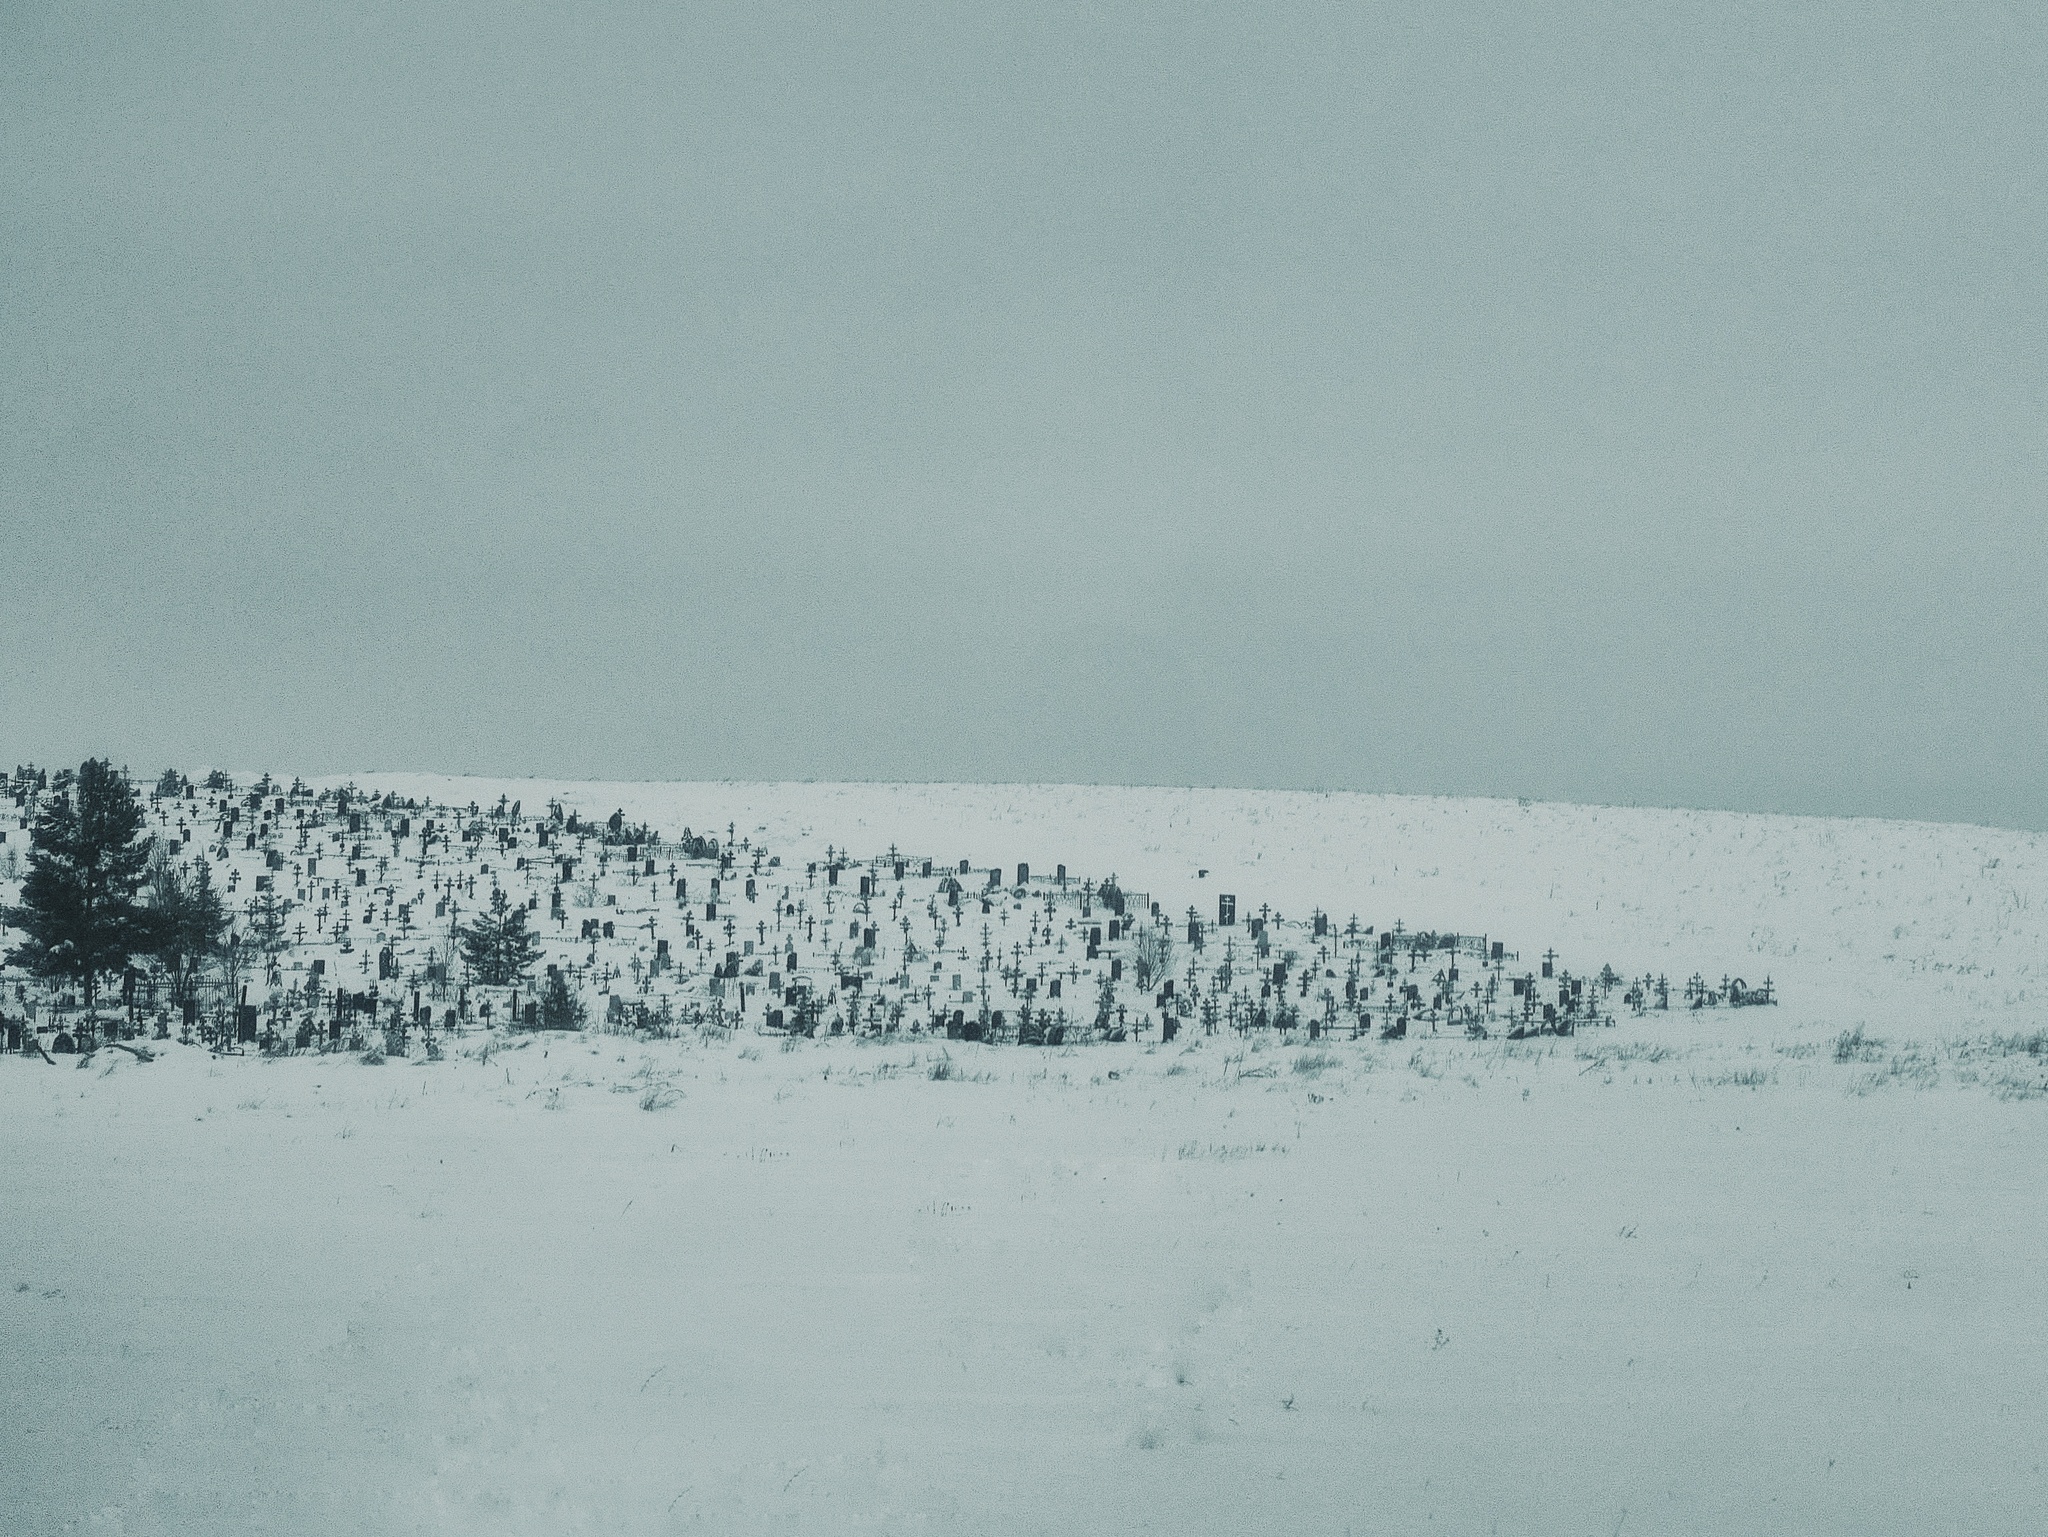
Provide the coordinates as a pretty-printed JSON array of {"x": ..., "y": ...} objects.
[{"x": 1923, "y": 928}]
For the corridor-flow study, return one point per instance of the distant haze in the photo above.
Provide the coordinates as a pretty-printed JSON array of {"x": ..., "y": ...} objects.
[{"x": 1577, "y": 401}]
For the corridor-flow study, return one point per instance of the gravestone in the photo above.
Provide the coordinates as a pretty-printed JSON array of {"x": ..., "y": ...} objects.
[{"x": 1226, "y": 911}]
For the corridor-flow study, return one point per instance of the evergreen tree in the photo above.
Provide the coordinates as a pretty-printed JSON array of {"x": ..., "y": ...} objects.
[
  {"x": 266, "y": 924},
  {"x": 87, "y": 863},
  {"x": 519, "y": 950},
  {"x": 498, "y": 948},
  {"x": 560, "y": 1009},
  {"x": 1105, "y": 1003},
  {"x": 190, "y": 917}
]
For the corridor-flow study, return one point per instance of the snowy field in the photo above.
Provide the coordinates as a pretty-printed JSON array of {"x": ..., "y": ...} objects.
[{"x": 1775, "y": 1270}]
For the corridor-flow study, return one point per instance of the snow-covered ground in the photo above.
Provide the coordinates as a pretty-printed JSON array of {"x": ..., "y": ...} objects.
[{"x": 1714, "y": 1272}]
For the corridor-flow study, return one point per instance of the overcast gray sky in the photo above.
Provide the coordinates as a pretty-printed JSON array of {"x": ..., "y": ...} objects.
[{"x": 1600, "y": 402}]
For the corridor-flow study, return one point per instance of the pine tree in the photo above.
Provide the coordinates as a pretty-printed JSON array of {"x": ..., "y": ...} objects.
[
  {"x": 561, "y": 1009},
  {"x": 190, "y": 916},
  {"x": 519, "y": 949},
  {"x": 1105, "y": 1002},
  {"x": 87, "y": 863},
  {"x": 498, "y": 948},
  {"x": 266, "y": 924}
]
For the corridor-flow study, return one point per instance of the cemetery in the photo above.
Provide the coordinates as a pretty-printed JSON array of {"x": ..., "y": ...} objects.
[
  {"x": 506, "y": 1156},
  {"x": 356, "y": 920}
]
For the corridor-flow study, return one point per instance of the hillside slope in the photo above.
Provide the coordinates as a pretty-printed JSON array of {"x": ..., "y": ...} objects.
[{"x": 1920, "y": 928}]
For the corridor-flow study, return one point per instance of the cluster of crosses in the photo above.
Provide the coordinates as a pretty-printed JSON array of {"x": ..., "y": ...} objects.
[{"x": 355, "y": 915}]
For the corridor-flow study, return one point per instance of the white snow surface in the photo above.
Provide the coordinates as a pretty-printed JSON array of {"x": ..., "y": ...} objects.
[{"x": 1698, "y": 1273}]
